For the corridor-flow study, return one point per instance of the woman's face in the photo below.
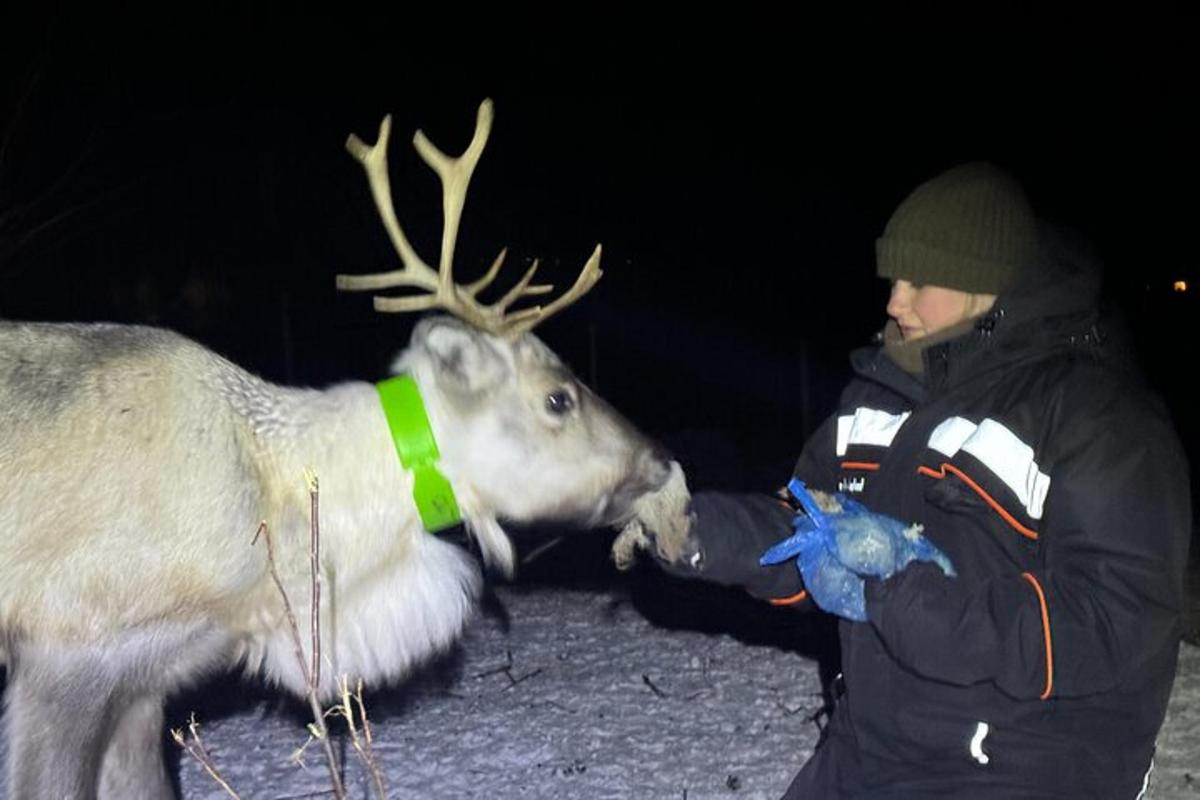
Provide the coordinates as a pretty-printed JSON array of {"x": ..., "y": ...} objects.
[{"x": 922, "y": 310}]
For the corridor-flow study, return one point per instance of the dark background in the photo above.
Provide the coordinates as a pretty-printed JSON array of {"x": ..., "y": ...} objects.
[{"x": 185, "y": 167}]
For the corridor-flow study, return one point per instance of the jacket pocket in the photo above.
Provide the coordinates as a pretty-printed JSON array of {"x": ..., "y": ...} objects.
[{"x": 963, "y": 486}]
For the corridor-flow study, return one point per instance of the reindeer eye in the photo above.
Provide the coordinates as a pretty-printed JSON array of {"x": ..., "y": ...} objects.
[{"x": 559, "y": 402}]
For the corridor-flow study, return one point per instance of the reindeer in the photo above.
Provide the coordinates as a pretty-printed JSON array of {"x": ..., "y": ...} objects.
[{"x": 136, "y": 466}]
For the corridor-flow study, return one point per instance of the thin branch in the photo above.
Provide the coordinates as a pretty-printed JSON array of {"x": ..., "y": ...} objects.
[
  {"x": 361, "y": 740},
  {"x": 196, "y": 750},
  {"x": 506, "y": 667},
  {"x": 542, "y": 549},
  {"x": 30, "y": 82},
  {"x": 657, "y": 691},
  {"x": 514, "y": 681},
  {"x": 318, "y": 727},
  {"x": 314, "y": 553}
]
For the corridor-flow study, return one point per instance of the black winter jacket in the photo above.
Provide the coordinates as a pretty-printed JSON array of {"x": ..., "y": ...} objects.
[{"x": 1039, "y": 463}]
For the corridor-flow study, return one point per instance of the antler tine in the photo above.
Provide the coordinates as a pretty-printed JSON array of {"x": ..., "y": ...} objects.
[
  {"x": 591, "y": 272},
  {"x": 415, "y": 272},
  {"x": 416, "y": 302},
  {"x": 523, "y": 289},
  {"x": 477, "y": 286},
  {"x": 455, "y": 174}
]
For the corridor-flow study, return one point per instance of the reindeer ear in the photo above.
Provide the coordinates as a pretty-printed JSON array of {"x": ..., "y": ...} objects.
[{"x": 465, "y": 359}]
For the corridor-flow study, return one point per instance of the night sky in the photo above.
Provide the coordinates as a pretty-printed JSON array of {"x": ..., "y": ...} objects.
[{"x": 187, "y": 169}]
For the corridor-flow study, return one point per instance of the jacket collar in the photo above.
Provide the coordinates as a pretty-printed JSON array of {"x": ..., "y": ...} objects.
[{"x": 1052, "y": 308}]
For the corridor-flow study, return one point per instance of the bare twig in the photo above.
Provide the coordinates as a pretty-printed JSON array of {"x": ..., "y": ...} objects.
[
  {"x": 359, "y": 727},
  {"x": 361, "y": 740},
  {"x": 542, "y": 549},
  {"x": 317, "y": 728},
  {"x": 16, "y": 229},
  {"x": 195, "y": 748},
  {"x": 657, "y": 691},
  {"x": 821, "y": 717},
  {"x": 505, "y": 668},
  {"x": 787, "y": 710},
  {"x": 514, "y": 681},
  {"x": 314, "y": 561}
]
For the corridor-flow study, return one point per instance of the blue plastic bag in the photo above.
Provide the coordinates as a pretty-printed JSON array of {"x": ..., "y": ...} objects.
[{"x": 835, "y": 550}]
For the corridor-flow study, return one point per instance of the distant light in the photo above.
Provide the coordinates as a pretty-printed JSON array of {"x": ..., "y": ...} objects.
[{"x": 1180, "y": 286}]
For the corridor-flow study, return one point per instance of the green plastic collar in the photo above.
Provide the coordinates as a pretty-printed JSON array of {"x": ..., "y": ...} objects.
[{"x": 418, "y": 452}]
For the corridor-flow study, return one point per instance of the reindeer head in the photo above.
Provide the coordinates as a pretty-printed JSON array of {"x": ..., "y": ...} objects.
[
  {"x": 515, "y": 424},
  {"x": 511, "y": 419}
]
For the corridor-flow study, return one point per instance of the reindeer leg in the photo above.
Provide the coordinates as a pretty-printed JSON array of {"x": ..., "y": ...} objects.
[
  {"x": 89, "y": 717},
  {"x": 133, "y": 768},
  {"x": 57, "y": 718},
  {"x": 147, "y": 664}
]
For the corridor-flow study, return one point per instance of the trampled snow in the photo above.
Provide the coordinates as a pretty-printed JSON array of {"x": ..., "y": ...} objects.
[{"x": 562, "y": 693}]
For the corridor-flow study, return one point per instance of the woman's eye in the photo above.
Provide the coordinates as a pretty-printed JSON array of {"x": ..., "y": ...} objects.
[{"x": 559, "y": 402}]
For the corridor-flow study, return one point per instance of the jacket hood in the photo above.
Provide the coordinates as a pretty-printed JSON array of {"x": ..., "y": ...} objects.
[
  {"x": 1052, "y": 307},
  {"x": 1059, "y": 292}
]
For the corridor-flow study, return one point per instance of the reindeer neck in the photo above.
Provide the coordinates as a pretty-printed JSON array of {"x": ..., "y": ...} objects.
[
  {"x": 478, "y": 515},
  {"x": 341, "y": 435}
]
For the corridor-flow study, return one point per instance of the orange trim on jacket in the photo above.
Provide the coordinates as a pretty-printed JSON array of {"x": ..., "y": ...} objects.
[
  {"x": 788, "y": 601},
  {"x": 1049, "y": 644},
  {"x": 865, "y": 466},
  {"x": 979, "y": 490}
]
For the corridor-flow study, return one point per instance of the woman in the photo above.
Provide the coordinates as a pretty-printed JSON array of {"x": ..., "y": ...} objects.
[{"x": 996, "y": 416}]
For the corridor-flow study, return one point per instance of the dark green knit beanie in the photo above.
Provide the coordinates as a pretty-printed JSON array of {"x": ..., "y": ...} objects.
[{"x": 970, "y": 229}]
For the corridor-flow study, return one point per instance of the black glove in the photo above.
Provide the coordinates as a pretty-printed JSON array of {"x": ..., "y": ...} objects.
[{"x": 732, "y": 531}]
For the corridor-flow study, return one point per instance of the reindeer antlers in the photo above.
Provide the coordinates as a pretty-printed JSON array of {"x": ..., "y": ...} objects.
[{"x": 441, "y": 290}]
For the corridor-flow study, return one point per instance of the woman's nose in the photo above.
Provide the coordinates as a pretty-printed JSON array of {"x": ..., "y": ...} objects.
[{"x": 899, "y": 299}]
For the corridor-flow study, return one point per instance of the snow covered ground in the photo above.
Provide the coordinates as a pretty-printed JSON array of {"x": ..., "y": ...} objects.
[
  {"x": 626, "y": 690},
  {"x": 574, "y": 695}
]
